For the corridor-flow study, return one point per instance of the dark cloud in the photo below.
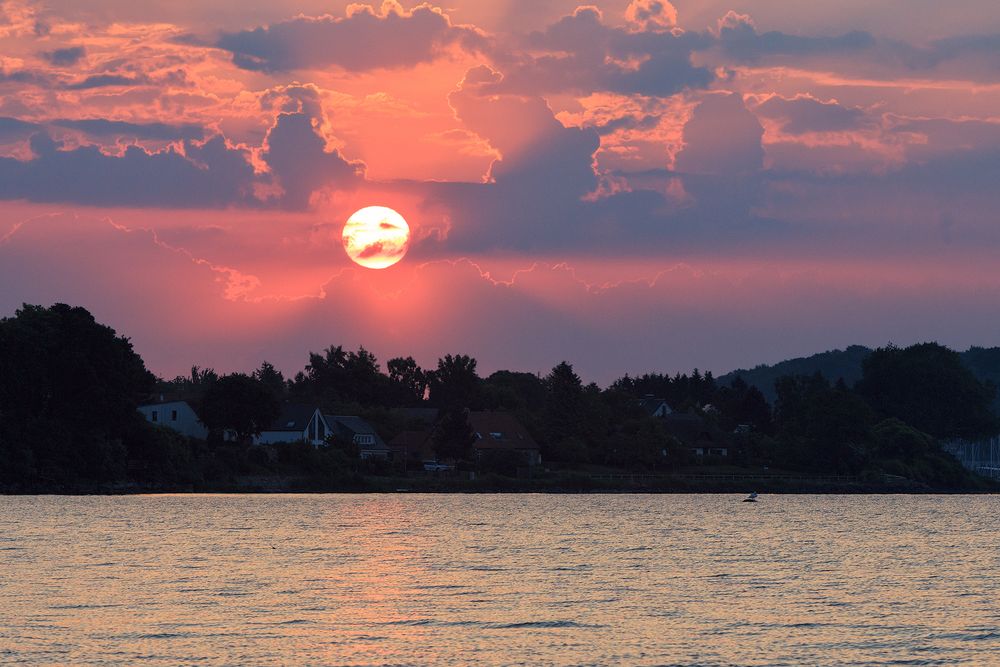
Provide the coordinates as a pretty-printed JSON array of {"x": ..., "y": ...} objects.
[
  {"x": 13, "y": 129},
  {"x": 584, "y": 55},
  {"x": 64, "y": 57},
  {"x": 628, "y": 122},
  {"x": 801, "y": 115},
  {"x": 106, "y": 81},
  {"x": 739, "y": 37},
  {"x": 363, "y": 40},
  {"x": 208, "y": 175},
  {"x": 722, "y": 137},
  {"x": 300, "y": 162}
]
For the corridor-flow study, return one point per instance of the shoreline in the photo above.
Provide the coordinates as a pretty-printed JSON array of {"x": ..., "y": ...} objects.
[{"x": 571, "y": 484}]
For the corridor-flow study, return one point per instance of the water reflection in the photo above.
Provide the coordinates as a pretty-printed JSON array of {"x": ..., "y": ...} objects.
[{"x": 510, "y": 579}]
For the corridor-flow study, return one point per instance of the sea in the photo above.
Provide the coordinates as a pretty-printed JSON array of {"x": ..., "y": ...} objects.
[{"x": 517, "y": 579}]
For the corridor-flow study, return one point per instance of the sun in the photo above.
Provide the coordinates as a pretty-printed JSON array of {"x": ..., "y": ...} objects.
[{"x": 376, "y": 237}]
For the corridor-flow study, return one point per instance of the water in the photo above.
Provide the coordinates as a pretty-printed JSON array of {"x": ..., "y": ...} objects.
[{"x": 499, "y": 580}]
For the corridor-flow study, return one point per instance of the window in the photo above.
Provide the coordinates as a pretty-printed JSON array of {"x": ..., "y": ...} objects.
[
  {"x": 496, "y": 435},
  {"x": 155, "y": 416},
  {"x": 173, "y": 415}
]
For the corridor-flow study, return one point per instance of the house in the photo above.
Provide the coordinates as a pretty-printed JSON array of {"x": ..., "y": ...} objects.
[
  {"x": 296, "y": 423},
  {"x": 501, "y": 431},
  {"x": 361, "y": 433},
  {"x": 696, "y": 434},
  {"x": 654, "y": 407},
  {"x": 175, "y": 414}
]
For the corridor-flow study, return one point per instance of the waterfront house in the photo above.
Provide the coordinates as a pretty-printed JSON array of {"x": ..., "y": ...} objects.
[
  {"x": 296, "y": 423},
  {"x": 654, "y": 407},
  {"x": 174, "y": 414},
  {"x": 697, "y": 435},
  {"x": 358, "y": 431},
  {"x": 501, "y": 431}
]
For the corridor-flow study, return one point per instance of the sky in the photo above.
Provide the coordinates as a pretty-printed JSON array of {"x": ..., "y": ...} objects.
[{"x": 632, "y": 185}]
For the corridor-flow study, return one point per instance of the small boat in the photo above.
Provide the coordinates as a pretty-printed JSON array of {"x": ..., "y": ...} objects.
[{"x": 752, "y": 498}]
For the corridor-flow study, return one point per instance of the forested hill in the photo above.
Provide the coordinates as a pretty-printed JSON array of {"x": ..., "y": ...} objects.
[{"x": 835, "y": 364}]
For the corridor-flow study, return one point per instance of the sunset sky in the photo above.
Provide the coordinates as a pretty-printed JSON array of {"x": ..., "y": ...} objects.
[{"x": 631, "y": 186}]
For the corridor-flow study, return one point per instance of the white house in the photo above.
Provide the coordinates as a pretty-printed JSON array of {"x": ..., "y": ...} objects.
[
  {"x": 297, "y": 423},
  {"x": 654, "y": 407},
  {"x": 176, "y": 415}
]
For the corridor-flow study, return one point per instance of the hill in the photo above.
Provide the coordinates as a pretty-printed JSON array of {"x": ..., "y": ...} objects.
[{"x": 984, "y": 362}]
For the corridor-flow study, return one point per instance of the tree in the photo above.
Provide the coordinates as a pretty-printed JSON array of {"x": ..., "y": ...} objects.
[
  {"x": 69, "y": 391},
  {"x": 822, "y": 427},
  {"x": 239, "y": 403},
  {"x": 270, "y": 377},
  {"x": 407, "y": 380},
  {"x": 565, "y": 411},
  {"x": 455, "y": 382},
  {"x": 928, "y": 387},
  {"x": 453, "y": 437},
  {"x": 741, "y": 403}
]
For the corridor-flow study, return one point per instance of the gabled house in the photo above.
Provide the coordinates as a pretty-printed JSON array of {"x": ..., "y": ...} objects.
[
  {"x": 697, "y": 435},
  {"x": 654, "y": 407},
  {"x": 355, "y": 429},
  {"x": 501, "y": 431},
  {"x": 296, "y": 423},
  {"x": 175, "y": 414}
]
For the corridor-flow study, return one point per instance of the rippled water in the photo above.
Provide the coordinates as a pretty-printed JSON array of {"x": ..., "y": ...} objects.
[{"x": 499, "y": 579}]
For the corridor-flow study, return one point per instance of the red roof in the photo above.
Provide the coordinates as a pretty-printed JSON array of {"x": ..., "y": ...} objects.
[{"x": 500, "y": 430}]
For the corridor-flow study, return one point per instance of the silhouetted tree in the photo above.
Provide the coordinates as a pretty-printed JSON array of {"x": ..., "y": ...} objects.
[
  {"x": 69, "y": 389},
  {"x": 239, "y": 403},
  {"x": 272, "y": 378},
  {"x": 407, "y": 380},
  {"x": 565, "y": 409},
  {"x": 453, "y": 437},
  {"x": 928, "y": 387},
  {"x": 455, "y": 382},
  {"x": 822, "y": 427}
]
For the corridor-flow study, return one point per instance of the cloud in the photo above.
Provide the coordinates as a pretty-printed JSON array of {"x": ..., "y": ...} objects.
[
  {"x": 651, "y": 14},
  {"x": 300, "y": 161},
  {"x": 669, "y": 319},
  {"x": 64, "y": 57},
  {"x": 581, "y": 54},
  {"x": 739, "y": 37},
  {"x": 208, "y": 173},
  {"x": 365, "y": 39},
  {"x": 722, "y": 137},
  {"x": 102, "y": 127},
  {"x": 803, "y": 114},
  {"x": 107, "y": 81},
  {"x": 205, "y": 175}
]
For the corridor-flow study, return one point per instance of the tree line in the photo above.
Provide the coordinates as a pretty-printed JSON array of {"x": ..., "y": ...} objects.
[{"x": 70, "y": 388}]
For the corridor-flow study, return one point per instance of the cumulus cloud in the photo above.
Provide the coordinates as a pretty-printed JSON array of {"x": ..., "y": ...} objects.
[
  {"x": 365, "y": 39},
  {"x": 205, "y": 175},
  {"x": 739, "y": 37},
  {"x": 651, "y": 14},
  {"x": 300, "y": 161},
  {"x": 803, "y": 114},
  {"x": 581, "y": 54},
  {"x": 722, "y": 137},
  {"x": 191, "y": 174}
]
